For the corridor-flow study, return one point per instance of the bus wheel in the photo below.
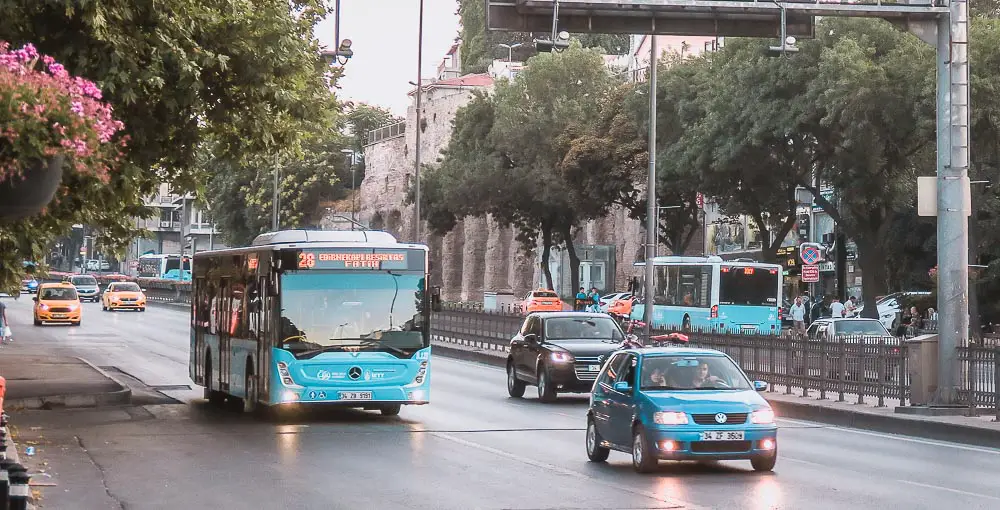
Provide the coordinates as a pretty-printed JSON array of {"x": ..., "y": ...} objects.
[
  {"x": 390, "y": 410},
  {"x": 250, "y": 400},
  {"x": 214, "y": 397}
]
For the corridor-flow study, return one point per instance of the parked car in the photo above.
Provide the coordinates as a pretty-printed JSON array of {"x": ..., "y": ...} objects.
[
  {"x": 679, "y": 403},
  {"x": 862, "y": 339},
  {"x": 607, "y": 300},
  {"x": 560, "y": 352},
  {"x": 29, "y": 285},
  {"x": 541, "y": 300}
]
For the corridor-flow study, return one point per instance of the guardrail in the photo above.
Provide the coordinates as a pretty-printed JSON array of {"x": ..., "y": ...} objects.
[{"x": 849, "y": 368}]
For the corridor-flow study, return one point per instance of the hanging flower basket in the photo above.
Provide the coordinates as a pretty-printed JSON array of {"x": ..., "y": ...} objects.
[
  {"x": 27, "y": 195},
  {"x": 49, "y": 121}
]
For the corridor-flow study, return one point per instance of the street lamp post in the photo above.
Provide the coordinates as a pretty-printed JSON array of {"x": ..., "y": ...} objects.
[
  {"x": 277, "y": 196},
  {"x": 651, "y": 210},
  {"x": 510, "y": 50},
  {"x": 416, "y": 153},
  {"x": 349, "y": 154}
]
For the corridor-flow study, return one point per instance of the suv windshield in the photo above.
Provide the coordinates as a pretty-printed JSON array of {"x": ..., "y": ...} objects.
[
  {"x": 692, "y": 373},
  {"x": 125, "y": 287},
  {"x": 582, "y": 328},
  {"x": 59, "y": 294},
  {"x": 364, "y": 311},
  {"x": 872, "y": 327},
  {"x": 83, "y": 280}
]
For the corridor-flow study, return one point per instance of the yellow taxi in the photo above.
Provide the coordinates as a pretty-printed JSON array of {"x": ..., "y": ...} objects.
[
  {"x": 123, "y": 296},
  {"x": 57, "y": 302},
  {"x": 542, "y": 300}
]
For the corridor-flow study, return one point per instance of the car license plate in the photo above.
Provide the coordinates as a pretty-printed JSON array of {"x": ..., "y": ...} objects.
[
  {"x": 58, "y": 316},
  {"x": 722, "y": 435},
  {"x": 355, "y": 395},
  {"x": 595, "y": 368}
]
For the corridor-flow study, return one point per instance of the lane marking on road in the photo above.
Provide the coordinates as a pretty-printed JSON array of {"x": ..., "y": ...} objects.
[
  {"x": 675, "y": 503},
  {"x": 947, "y": 489},
  {"x": 908, "y": 439}
]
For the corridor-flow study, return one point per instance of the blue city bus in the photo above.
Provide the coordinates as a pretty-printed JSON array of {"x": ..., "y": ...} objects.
[
  {"x": 708, "y": 293},
  {"x": 306, "y": 317}
]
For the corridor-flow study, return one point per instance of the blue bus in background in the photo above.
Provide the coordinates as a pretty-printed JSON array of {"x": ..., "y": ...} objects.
[
  {"x": 708, "y": 293},
  {"x": 307, "y": 317}
]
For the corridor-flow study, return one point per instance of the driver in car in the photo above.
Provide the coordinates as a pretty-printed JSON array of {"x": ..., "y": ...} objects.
[
  {"x": 657, "y": 378},
  {"x": 702, "y": 377}
]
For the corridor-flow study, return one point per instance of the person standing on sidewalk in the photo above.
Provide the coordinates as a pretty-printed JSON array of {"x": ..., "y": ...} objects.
[
  {"x": 5, "y": 334},
  {"x": 837, "y": 308},
  {"x": 798, "y": 313}
]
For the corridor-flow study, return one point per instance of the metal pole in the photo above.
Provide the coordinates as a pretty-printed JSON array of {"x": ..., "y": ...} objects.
[
  {"x": 354, "y": 192},
  {"x": 336, "y": 27},
  {"x": 651, "y": 210},
  {"x": 952, "y": 173},
  {"x": 416, "y": 153},
  {"x": 277, "y": 197}
]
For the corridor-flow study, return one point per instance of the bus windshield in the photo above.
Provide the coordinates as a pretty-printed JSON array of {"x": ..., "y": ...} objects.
[
  {"x": 752, "y": 286},
  {"x": 359, "y": 311}
]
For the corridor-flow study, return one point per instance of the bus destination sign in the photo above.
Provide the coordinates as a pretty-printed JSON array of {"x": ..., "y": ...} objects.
[{"x": 351, "y": 259}]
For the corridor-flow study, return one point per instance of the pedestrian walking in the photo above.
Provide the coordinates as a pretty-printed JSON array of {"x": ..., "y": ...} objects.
[
  {"x": 837, "y": 308},
  {"x": 798, "y": 313},
  {"x": 5, "y": 333}
]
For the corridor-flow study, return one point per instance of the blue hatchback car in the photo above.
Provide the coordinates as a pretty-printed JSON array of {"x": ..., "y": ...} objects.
[{"x": 679, "y": 404}]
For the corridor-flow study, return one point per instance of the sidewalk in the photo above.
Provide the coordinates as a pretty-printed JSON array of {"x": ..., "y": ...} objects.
[
  {"x": 14, "y": 455},
  {"x": 37, "y": 379},
  {"x": 979, "y": 430}
]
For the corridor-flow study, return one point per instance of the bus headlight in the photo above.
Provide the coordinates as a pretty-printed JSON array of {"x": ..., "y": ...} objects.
[
  {"x": 286, "y": 378},
  {"x": 421, "y": 373}
]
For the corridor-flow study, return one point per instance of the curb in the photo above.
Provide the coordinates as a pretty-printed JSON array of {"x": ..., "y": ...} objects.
[
  {"x": 894, "y": 424},
  {"x": 122, "y": 396},
  {"x": 13, "y": 455}
]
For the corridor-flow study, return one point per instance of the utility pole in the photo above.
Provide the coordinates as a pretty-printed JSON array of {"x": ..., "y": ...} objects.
[
  {"x": 952, "y": 177},
  {"x": 651, "y": 211},
  {"x": 277, "y": 197},
  {"x": 420, "y": 86}
]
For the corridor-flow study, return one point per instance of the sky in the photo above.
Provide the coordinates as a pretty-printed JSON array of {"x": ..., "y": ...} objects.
[{"x": 384, "y": 39}]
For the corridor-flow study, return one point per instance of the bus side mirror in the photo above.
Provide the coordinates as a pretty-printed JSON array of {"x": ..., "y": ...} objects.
[{"x": 435, "y": 295}]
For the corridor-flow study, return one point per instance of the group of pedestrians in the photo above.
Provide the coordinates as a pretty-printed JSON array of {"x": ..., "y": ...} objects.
[
  {"x": 588, "y": 302},
  {"x": 804, "y": 311}
]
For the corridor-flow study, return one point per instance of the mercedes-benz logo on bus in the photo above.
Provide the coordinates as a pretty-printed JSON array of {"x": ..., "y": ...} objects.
[
  {"x": 721, "y": 418},
  {"x": 354, "y": 373}
]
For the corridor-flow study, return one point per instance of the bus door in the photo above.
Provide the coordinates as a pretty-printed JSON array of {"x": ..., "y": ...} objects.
[
  {"x": 262, "y": 335},
  {"x": 225, "y": 322}
]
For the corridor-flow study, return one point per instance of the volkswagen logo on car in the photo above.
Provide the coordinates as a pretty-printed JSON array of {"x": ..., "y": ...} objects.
[
  {"x": 354, "y": 373},
  {"x": 721, "y": 418}
]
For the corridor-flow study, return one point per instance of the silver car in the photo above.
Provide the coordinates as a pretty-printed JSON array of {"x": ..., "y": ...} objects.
[{"x": 86, "y": 287}]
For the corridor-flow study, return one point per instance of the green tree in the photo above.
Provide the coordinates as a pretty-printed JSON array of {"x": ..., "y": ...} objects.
[
  {"x": 507, "y": 151},
  {"x": 242, "y": 74}
]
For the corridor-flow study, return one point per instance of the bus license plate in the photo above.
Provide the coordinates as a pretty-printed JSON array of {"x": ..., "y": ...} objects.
[
  {"x": 722, "y": 435},
  {"x": 355, "y": 395}
]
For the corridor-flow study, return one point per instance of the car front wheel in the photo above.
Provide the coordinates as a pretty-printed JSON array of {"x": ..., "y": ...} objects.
[
  {"x": 765, "y": 462},
  {"x": 515, "y": 387},
  {"x": 595, "y": 452},
  {"x": 643, "y": 457},
  {"x": 546, "y": 392}
]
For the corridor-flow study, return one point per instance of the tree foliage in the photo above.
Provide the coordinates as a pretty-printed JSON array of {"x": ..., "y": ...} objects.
[{"x": 239, "y": 74}]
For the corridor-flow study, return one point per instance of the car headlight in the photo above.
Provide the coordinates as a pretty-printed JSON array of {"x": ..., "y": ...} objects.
[
  {"x": 762, "y": 416},
  {"x": 561, "y": 357},
  {"x": 670, "y": 418}
]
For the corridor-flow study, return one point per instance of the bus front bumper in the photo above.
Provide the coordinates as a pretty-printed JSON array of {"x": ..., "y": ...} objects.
[{"x": 354, "y": 398}]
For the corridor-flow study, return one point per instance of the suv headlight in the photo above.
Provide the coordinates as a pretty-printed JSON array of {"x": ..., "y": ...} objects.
[
  {"x": 561, "y": 357},
  {"x": 670, "y": 418},
  {"x": 762, "y": 416}
]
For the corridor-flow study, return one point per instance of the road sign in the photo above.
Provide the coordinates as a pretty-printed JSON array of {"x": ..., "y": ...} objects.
[
  {"x": 810, "y": 274},
  {"x": 810, "y": 253},
  {"x": 701, "y": 201}
]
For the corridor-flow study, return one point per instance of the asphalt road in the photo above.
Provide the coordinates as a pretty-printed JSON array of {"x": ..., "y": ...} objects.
[{"x": 473, "y": 447}]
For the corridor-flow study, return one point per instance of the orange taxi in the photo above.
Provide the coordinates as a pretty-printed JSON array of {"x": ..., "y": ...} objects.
[
  {"x": 542, "y": 300},
  {"x": 123, "y": 296},
  {"x": 57, "y": 302}
]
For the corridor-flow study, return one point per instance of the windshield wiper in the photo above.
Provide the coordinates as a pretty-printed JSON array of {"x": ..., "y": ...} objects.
[{"x": 376, "y": 343}]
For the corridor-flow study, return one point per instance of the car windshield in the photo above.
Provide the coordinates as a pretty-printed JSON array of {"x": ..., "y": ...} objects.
[
  {"x": 582, "y": 328},
  {"x": 871, "y": 327},
  {"x": 84, "y": 280},
  {"x": 690, "y": 373},
  {"x": 125, "y": 287},
  {"x": 59, "y": 294},
  {"x": 364, "y": 311}
]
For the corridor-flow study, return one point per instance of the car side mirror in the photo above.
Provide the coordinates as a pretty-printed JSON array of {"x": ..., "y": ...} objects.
[
  {"x": 760, "y": 385},
  {"x": 531, "y": 338},
  {"x": 622, "y": 387}
]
